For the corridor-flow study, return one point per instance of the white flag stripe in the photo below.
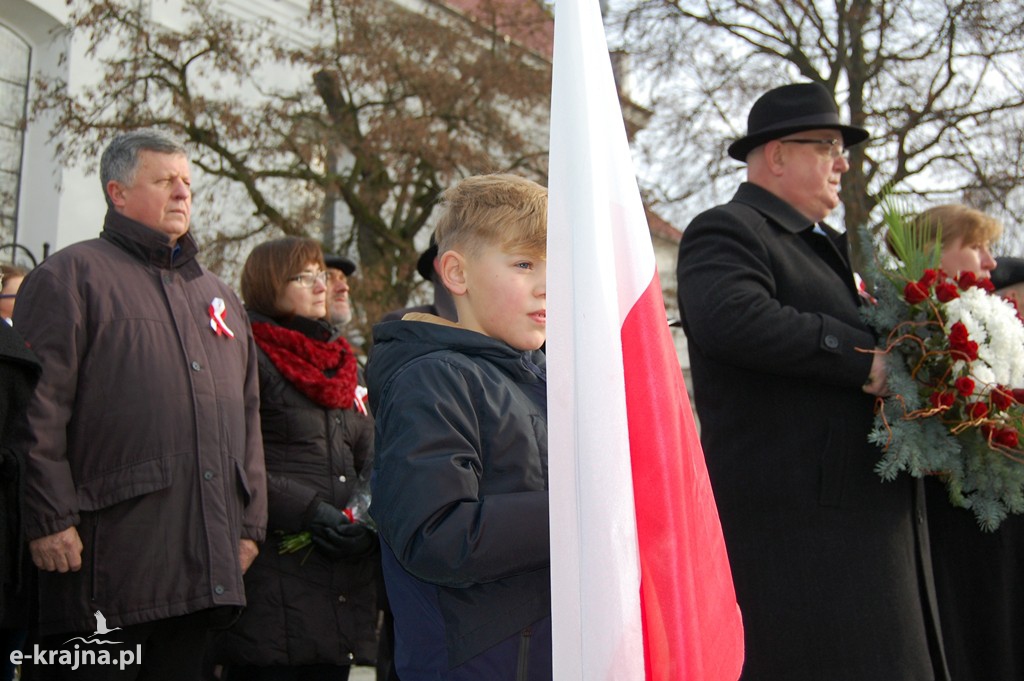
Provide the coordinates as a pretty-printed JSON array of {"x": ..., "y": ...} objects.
[{"x": 597, "y": 627}]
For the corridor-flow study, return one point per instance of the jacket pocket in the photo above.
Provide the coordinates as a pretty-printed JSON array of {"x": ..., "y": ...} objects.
[
  {"x": 127, "y": 482},
  {"x": 243, "y": 483}
]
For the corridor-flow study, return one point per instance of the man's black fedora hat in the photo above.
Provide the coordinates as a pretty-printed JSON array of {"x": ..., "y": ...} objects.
[{"x": 789, "y": 109}]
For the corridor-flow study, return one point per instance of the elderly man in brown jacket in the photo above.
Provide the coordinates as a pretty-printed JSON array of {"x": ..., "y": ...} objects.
[{"x": 145, "y": 487}]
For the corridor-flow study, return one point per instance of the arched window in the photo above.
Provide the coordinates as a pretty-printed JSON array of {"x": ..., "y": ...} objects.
[{"x": 14, "y": 70}]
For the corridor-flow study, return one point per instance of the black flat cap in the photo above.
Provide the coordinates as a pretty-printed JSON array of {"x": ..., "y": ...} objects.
[{"x": 339, "y": 262}]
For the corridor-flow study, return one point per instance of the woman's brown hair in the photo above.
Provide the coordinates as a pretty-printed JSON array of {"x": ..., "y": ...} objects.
[{"x": 269, "y": 267}]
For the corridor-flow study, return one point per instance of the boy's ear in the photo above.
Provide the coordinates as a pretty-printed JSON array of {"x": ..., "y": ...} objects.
[{"x": 451, "y": 267}]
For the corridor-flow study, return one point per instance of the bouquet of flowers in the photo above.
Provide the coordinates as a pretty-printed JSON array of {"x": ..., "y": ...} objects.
[{"x": 955, "y": 357}]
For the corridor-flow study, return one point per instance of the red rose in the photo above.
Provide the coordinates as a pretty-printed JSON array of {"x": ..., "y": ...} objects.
[
  {"x": 942, "y": 399},
  {"x": 958, "y": 334},
  {"x": 1002, "y": 398},
  {"x": 1007, "y": 437},
  {"x": 928, "y": 278},
  {"x": 986, "y": 284},
  {"x": 960, "y": 344},
  {"x": 946, "y": 291},
  {"x": 914, "y": 293},
  {"x": 1018, "y": 395},
  {"x": 967, "y": 280},
  {"x": 977, "y": 410},
  {"x": 965, "y": 385}
]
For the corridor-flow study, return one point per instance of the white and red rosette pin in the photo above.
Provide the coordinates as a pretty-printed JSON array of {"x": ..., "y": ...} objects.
[
  {"x": 361, "y": 396},
  {"x": 217, "y": 311}
]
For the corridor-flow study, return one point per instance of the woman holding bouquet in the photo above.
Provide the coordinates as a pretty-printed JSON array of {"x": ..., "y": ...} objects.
[
  {"x": 311, "y": 613},
  {"x": 977, "y": 574}
]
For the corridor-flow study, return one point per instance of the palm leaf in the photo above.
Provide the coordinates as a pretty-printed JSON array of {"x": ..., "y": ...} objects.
[{"x": 910, "y": 238}]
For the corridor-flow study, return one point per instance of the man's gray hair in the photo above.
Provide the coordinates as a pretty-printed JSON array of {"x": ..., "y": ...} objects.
[{"x": 120, "y": 159}]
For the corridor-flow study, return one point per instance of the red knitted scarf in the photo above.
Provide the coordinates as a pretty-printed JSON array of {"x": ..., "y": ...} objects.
[{"x": 303, "y": 361}]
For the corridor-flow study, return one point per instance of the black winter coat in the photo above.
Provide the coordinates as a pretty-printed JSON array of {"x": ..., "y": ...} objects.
[
  {"x": 19, "y": 370},
  {"x": 303, "y": 608},
  {"x": 979, "y": 589},
  {"x": 827, "y": 558}
]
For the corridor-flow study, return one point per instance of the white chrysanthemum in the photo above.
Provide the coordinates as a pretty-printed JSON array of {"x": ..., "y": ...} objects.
[{"x": 993, "y": 324}]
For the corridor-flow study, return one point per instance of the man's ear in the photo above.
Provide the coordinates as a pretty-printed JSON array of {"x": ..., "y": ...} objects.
[
  {"x": 775, "y": 156},
  {"x": 116, "y": 193},
  {"x": 451, "y": 266}
]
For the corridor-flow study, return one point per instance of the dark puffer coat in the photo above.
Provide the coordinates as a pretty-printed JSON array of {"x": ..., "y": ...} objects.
[{"x": 304, "y": 608}]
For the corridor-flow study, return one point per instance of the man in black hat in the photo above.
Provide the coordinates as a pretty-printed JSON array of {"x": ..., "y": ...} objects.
[
  {"x": 339, "y": 307},
  {"x": 829, "y": 562}
]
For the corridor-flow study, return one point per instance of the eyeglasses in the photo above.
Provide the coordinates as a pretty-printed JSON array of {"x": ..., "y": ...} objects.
[
  {"x": 835, "y": 147},
  {"x": 309, "y": 279}
]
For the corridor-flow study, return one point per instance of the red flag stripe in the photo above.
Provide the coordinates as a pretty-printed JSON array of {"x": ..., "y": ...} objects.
[{"x": 692, "y": 626}]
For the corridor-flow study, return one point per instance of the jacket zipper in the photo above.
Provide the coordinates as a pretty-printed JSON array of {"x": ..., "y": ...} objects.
[{"x": 523, "y": 667}]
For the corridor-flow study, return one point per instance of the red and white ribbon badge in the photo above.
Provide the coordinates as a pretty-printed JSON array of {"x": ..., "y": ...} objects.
[
  {"x": 862, "y": 289},
  {"x": 362, "y": 395},
  {"x": 217, "y": 310}
]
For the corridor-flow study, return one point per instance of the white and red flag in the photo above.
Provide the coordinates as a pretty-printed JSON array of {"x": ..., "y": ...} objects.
[{"x": 641, "y": 586}]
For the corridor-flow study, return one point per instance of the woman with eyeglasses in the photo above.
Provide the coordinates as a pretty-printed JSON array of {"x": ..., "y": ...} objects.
[{"x": 310, "y": 614}]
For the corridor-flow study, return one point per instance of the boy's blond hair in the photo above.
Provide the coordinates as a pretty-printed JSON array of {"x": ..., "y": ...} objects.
[{"x": 505, "y": 210}]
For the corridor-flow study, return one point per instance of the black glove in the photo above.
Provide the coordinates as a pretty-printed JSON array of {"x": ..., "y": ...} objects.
[
  {"x": 347, "y": 542},
  {"x": 326, "y": 516},
  {"x": 336, "y": 537}
]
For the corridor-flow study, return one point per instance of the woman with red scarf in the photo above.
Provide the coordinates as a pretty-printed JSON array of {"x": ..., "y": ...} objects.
[{"x": 312, "y": 613}]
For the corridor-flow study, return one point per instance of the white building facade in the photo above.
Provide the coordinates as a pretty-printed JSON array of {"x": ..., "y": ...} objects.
[{"x": 43, "y": 206}]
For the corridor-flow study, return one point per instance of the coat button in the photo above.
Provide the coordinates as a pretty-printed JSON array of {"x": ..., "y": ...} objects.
[
  {"x": 351, "y": 656},
  {"x": 168, "y": 279},
  {"x": 196, "y": 366},
  {"x": 341, "y": 598},
  {"x": 342, "y": 478},
  {"x": 219, "y": 590},
  {"x": 207, "y": 475},
  {"x": 831, "y": 342}
]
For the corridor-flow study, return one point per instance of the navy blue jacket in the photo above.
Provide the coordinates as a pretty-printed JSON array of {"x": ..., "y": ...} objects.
[{"x": 459, "y": 493}]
